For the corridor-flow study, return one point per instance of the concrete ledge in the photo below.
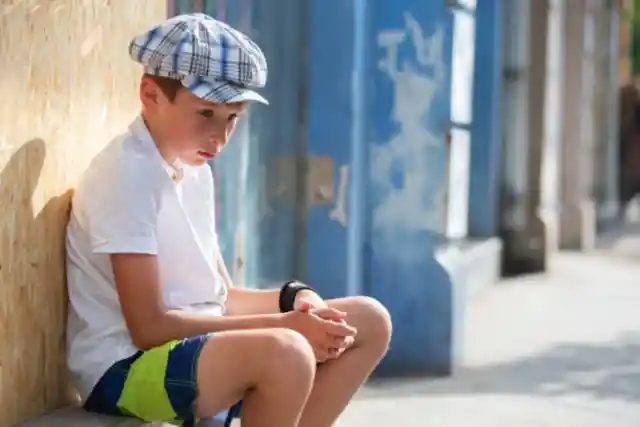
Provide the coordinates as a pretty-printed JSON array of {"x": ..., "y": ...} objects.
[
  {"x": 427, "y": 301},
  {"x": 77, "y": 417},
  {"x": 473, "y": 265}
]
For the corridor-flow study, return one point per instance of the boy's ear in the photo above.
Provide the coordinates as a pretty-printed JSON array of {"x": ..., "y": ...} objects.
[{"x": 149, "y": 92}]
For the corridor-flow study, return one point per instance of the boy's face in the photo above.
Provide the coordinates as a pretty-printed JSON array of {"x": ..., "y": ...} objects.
[{"x": 189, "y": 128}]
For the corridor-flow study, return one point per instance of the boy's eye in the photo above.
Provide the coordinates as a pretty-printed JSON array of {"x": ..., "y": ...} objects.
[{"x": 209, "y": 114}]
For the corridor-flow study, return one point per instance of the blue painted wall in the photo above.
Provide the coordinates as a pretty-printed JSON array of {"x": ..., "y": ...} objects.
[
  {"x": 410, "y": 45},
  {"x": 379, "y": 104},
  {"x": 279, "y": 28},
  {"x": 373, "y": 92},
  {"x": 335, "y": 128},
  {"x": 484, "y": 188}
]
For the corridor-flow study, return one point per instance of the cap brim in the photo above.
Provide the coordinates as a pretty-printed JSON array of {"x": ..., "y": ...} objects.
[
  {"x": 249, "y": 96},
  {"x": 221, "y": 92}
]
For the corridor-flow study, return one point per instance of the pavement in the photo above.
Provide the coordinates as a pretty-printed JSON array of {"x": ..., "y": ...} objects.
[{"x": 559, "y": 349}]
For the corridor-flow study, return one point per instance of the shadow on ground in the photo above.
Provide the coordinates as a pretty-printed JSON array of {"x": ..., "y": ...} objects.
[
  {"x": 622, "y": 239},
  {"x": 604, "y": 371}
]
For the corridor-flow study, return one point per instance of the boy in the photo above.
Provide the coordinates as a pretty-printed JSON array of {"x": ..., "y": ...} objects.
[{"x": 156, "y": 329}]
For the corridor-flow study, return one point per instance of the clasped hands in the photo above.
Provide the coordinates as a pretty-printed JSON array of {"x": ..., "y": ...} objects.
[{"x": 325, "y": 328}]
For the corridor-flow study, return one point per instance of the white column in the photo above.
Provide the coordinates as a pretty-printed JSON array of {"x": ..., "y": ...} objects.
[
  {"x": 553, "y": 123},
  {"x": 577, "y": 219},
  {"x": 537, "y": 231},
  {"x": 611, "y": 134},
  {"x": 523, "y": 227}
]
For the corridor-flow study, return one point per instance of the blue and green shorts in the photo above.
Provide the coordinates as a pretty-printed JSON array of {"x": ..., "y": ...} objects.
[{"x": 155, "y": 385}]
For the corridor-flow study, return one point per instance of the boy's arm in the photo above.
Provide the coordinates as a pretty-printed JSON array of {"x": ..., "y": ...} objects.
[
  {"x": 122, "y": 223},
  {"x": 258, "y": 301},
  {"x": 150, "y": 323}
]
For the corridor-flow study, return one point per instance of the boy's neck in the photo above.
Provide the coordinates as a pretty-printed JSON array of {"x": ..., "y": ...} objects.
[{"x": 159, "y": 141}]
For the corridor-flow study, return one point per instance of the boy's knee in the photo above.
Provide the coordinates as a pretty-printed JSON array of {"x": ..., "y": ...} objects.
[
  {"x": 290, "y": 353},
  {"x": 377, "y": 320}
]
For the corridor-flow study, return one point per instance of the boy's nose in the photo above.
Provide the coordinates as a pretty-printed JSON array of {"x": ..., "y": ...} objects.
[
  {"x": 218, "y": 138},
  {"x": 218, "y": 142}
]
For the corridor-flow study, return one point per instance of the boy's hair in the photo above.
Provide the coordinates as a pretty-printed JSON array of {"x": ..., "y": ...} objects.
[{"x": 170, "y": 87}]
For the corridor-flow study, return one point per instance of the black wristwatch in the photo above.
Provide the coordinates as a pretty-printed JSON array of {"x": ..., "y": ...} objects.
[{"x": 288, "y": 294}]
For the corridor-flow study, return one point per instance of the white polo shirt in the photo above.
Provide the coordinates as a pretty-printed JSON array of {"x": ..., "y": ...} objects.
[{"x": 128, "y": 202}]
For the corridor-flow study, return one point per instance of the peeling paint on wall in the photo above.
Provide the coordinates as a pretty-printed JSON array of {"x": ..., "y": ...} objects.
[
  {"x": 407, "y": 169},
  {"x": 339, "y": 211}
]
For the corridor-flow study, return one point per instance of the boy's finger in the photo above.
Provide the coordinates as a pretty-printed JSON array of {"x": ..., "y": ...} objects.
[
  {"x": 305, "y": 307},
  {"x": 340, "y": 329},
  {"x": 342, "y": 343},
  {"x": 348, "y": 342},
  {"x": 321, "y": 355},
  {"x": 338, "y": 342},
  {"x": 330, "y": 313}
]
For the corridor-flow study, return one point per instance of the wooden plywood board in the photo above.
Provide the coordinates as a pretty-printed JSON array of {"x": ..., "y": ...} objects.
[{"x": 66, "y": 87}]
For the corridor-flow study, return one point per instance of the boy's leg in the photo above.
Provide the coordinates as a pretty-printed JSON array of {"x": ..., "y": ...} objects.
[
  {"x": 272, "y": 371},
  {"x": 338, "y": 380}
]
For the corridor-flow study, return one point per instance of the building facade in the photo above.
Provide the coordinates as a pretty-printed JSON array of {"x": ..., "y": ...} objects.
[{"x": 357, "y": 177}]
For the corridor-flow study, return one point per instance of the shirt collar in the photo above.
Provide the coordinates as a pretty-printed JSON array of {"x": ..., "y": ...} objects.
[{"x": 176, "y": 171}]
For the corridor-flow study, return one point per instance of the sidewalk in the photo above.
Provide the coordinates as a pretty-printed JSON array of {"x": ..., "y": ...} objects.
[
  {"x": 556, "y": 350},
  {"x": 622, "y": 239}
]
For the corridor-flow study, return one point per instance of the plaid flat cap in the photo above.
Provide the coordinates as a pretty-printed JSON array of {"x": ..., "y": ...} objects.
[{"x": 215, "y": 62}]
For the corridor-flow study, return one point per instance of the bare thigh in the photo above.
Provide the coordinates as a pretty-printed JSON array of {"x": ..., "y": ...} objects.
[{"x": 233, "y": 363}]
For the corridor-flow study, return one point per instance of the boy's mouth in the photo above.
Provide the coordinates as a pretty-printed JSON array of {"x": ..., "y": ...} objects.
[{"x": 207, "y": 155}]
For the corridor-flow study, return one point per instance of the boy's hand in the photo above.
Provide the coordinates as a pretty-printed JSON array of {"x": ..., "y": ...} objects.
[
  {"x": 333, "y": 315},
  {"x": 327, "y": 337},
  {"x": 339, "y": 317}
]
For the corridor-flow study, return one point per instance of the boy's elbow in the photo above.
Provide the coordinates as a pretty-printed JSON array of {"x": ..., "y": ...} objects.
[
  {"x": 147, "y": 335},
  {"x": 143, "y": 341}
]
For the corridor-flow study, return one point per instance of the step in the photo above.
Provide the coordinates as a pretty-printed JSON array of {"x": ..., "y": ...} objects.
[{"x": 77, "y": 417}]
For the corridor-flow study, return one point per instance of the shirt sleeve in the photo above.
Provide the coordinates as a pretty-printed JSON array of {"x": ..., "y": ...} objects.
[{"x": 122, "y": 218}]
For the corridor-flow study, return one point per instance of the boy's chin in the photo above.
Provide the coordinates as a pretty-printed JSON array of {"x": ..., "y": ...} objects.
[
  {"x": 196, "y": 160},
  {"x": 192, "y": 161}
]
